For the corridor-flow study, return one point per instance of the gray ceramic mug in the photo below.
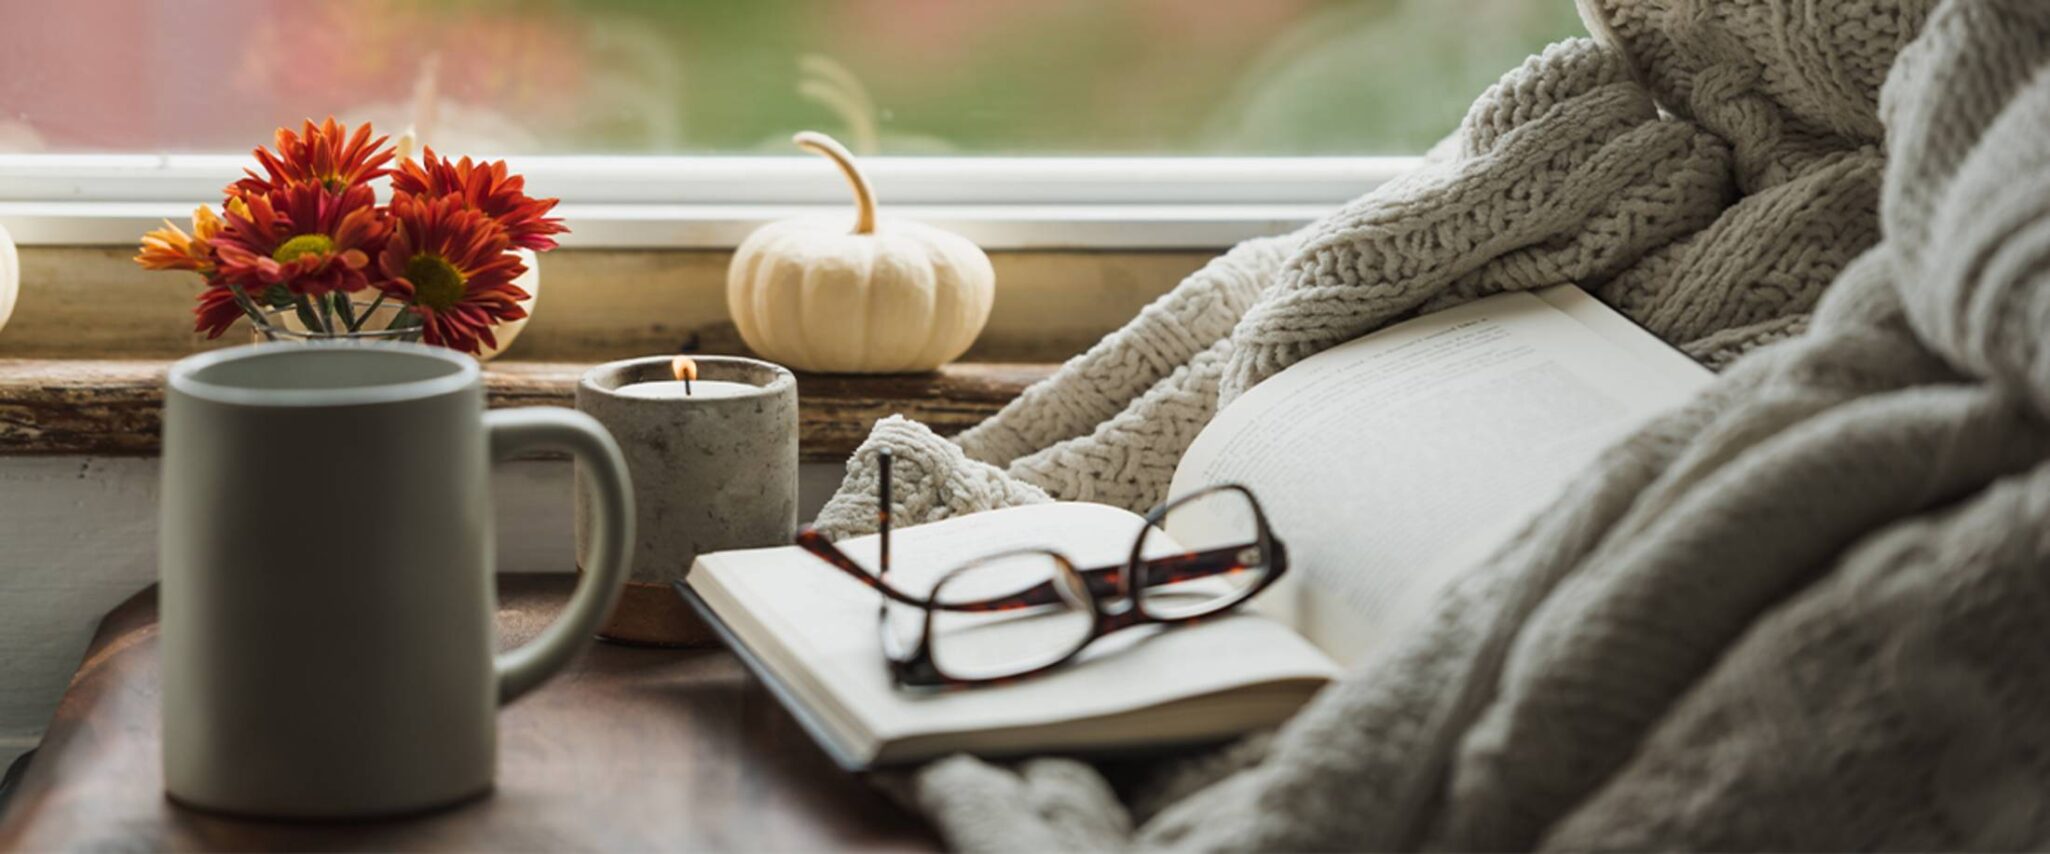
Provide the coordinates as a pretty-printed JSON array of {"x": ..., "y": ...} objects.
[{"x": 327, "y": 589}]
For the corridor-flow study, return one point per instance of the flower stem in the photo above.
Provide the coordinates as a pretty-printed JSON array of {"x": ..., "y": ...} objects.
[
  {"x": 249, "y": 308},
  {"x": 327, "y": 316},
  {"x": 365, "y": 316},
  {"x": 341, "y": 301},
  {"x": 405, "y": 320}
]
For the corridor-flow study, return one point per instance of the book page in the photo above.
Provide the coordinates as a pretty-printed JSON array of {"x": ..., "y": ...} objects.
[
  {"x": 827, "y": 625},
  {"x": 1659, "y": 358},
  {"x": 1389, "y": 463}
]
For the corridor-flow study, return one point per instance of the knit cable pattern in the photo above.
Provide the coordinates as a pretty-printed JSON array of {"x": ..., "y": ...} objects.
[{"x": 1671, "y": 167}]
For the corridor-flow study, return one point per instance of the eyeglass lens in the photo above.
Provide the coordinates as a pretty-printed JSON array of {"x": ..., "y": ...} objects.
[{"x": 1207, "y": 554}]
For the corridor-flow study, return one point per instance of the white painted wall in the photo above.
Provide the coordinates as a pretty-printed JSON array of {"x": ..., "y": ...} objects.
[{"x": 78, "y": 536}]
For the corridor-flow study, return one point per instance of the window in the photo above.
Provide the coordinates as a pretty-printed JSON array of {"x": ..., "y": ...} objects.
[{"x": 1275, "y": 104}]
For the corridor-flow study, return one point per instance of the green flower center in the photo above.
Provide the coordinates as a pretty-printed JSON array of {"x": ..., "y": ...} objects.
[
  {"x": 437, "y": 284},
  {"x": 302, "y": 246}
]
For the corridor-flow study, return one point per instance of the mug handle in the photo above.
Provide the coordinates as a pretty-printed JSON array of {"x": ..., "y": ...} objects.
[{"x": 512, "y": 431}]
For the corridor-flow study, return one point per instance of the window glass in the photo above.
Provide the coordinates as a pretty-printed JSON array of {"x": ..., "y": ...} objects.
[{"x": 969, "y": 77}]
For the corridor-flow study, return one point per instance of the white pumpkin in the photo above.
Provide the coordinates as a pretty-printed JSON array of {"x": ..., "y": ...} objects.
[
  {"x": 884, "y": 297},
  {"x": 10, "y": 276}
]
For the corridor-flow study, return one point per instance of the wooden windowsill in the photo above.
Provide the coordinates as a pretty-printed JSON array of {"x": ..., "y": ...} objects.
[{"x": 73, "y": 406}]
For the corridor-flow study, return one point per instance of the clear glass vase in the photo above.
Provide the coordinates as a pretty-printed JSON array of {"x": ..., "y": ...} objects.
[{"x": 285, "y": 324}]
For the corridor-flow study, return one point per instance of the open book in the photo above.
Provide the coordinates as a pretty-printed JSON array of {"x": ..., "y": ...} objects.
[{"x": 1385, "y": 465}]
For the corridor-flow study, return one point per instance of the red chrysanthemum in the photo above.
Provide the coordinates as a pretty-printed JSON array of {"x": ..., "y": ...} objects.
[
  {"x": 455, "y": 268},
  {"x": 303, "y": 237},
  {"x": 485, "y": 187},
  {"x": 217, "y": 310},
  {"x": 323, "y": 155}
]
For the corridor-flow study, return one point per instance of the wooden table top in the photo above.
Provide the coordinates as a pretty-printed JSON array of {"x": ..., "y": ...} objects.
[{"x": 628, "y": 749}]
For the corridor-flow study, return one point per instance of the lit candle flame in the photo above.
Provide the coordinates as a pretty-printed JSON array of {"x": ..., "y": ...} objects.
[{"x": 685, "y": 369}]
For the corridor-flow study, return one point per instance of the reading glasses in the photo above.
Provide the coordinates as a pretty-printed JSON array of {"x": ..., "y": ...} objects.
[{"x": 1021, "y": 612}]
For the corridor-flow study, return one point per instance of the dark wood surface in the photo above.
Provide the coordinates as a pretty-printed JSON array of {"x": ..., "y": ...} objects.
[
  {"x": 73, "y": 406},
  {"x": 630, "y": 749}
]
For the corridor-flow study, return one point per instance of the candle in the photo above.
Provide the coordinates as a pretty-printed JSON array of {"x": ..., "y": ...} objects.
[
  {"x": 687, "y": 385},
  {"x": 680, "y": 390},
  {"x": 713, "y": 458}
]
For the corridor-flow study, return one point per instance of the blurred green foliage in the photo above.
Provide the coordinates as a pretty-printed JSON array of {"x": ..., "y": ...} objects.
[
  {"x": 711, "y": 76},
  {"x": 978, "y": 76}
]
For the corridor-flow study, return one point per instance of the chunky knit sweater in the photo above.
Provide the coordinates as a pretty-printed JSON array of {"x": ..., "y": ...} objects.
[
  {"x": 1807, "y": 610},
  {"x": 1705, "y": 168}
]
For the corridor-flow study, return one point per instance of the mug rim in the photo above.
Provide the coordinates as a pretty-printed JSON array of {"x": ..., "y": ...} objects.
[{"x": 183, "y": 376}]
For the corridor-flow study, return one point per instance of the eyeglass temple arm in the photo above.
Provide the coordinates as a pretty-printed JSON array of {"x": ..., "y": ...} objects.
[
  {"x": 885, "y": 462},
  {"x": 812, "y": 541},
  {"x": 1102, "y": 581},
  {"x": 1106, "y": 581},
  {"x": 1186, "y": 566}
]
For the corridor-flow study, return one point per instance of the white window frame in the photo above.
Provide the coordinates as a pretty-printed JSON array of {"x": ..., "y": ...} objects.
[{"x": 636, "y": 202}]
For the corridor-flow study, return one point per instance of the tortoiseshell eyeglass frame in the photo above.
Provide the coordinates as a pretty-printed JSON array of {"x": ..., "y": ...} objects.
[{"x": 1102, "y": 587}]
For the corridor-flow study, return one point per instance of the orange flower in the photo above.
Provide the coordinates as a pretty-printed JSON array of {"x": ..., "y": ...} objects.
[
  {"x": 486, "y": 187},
  {"x": 303, "y": 237},
  {"x": 170, "y": 248},
  {"x": 455, "y": 268},
  {"x": 320, "y": 156}
]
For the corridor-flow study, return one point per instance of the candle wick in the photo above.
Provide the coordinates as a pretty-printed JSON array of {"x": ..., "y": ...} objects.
[{"x": 686, "y": 386}]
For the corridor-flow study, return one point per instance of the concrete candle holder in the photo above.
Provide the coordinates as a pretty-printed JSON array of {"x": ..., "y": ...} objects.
[{"x": 712, "y": 471}]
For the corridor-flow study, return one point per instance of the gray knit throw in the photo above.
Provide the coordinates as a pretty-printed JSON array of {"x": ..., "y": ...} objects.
[{"x": 1809, "y": 610}]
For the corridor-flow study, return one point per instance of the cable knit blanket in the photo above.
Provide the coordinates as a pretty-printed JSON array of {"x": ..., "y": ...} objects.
[{"x": 1811, "y": 609}]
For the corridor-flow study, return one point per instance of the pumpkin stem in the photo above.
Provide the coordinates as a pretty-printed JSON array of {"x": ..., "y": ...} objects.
[{"x": 864, "y": 198}]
